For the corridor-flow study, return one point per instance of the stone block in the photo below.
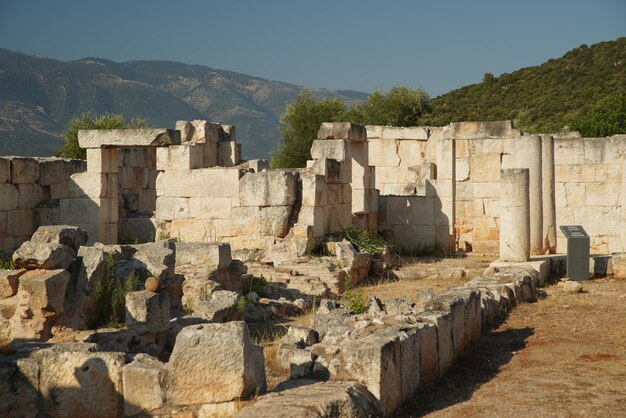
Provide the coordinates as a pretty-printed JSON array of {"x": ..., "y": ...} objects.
[
  {"x": 127, "y": 138},
  {"x": 142, "y": 381},
  {"x": 245, "y": 221},
  {"x": 5, "y": 170},
  {"x": 204, "y": 131},
  {"x": 429, "y": 356},
  {"x": 19, "y": 388},
  {"x": 383, "y": 153},
  {"x": 415, "y": 235},
  {"x": 88, "y": 184},
  {"x": 274, "y": 220},
  {"x": 21, "y": 222},
  {"x": 254, "y": 189},
  {"x": 102, "y": 160},
  {"x": 59, "y": 190},
  {"x": 344, "y": 399},
  {"x": 313, "y": 189},
  {"x": 186, "y": 130},
  {"x": 205, "y": 182},
  {"x": 24, "y": 170},
  {"x": 10, "y": 196},
  {"x": 488, "y": 129},
  {"x": 405, "y": 133},
  {"x": 170, "y": 208},
  {"x": 44, "y": 289},
  {"x": 227, "y": 154},
  {"x": 601, "y": 194},
  {"x": 179, "y": 157},
  {"x": 210, "y": 207},
  {"x": 49, "y": 256},
  {"x": 342, "y": 130},
  {"x": 148, "y": 312},
  {"x": 331, "y": 149},
  {"x": 444, "y": 321},
  {"x": 214, "y": 363},
  {"x": 72, "y": 382},
  {"x": 88, "y": 210},
  {"x": 281, "y": 187},
  {"x": 53, "y": 171},
  {"x": 194, "y": 230}
]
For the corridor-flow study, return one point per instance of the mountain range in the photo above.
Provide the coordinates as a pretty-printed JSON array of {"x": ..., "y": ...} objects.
[{"x": 38, "y": 96}]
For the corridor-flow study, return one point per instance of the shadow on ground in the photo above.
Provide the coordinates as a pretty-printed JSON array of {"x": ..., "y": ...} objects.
[{"x": 479, "y": 365}]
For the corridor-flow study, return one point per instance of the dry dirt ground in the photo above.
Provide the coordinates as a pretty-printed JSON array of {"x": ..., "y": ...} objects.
[{"x": 562, "y": 356}]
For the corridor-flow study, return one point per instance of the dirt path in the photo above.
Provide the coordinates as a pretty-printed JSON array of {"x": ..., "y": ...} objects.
[{"x": 562, "y": 356}]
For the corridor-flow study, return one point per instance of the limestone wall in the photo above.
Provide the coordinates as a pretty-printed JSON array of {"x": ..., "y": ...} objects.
[
  {"x": 30, "y": 189},
  {"x": 589, "y": 190}
]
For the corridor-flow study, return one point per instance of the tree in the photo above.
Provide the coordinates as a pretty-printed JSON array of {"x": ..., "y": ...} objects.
[
  {"x": 90, "y": 120},
  {"x": 299, "y": 126},
  {"x": 400, "y": 106},
  {"x": 607, "y": 117}
]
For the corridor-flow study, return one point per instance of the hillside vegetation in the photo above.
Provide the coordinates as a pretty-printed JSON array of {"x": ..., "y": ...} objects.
[{"x": 547, "y": 98}]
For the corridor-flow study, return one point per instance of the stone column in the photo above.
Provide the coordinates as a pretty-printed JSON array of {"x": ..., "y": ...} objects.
[
  {"x": 514, "y": 215},
  {"x": 547, "y": 191},
  {"x": 526, "y": 153}
]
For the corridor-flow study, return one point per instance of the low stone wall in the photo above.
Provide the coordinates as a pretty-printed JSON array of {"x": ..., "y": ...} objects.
[{"x": 29, "y": 193}]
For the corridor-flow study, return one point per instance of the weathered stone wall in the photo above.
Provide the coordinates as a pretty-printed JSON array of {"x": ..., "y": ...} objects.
[
  {"x": 30, "y": 189},
  {"x": 589, "y": 190}
]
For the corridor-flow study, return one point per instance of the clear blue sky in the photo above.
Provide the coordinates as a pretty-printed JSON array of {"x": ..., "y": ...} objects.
[{"x": 359, "y": 45}]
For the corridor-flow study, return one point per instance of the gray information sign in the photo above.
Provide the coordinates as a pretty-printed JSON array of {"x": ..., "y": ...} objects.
[{"x": 577, "y": 252}]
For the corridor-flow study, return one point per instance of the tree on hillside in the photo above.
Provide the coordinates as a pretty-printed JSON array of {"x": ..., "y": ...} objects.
[
  {"x": 299, "y": 126},
  {"x": 605, "y": 118},
  {"x": 90, "y": 120},
  {"x": 400, "y": 106}
]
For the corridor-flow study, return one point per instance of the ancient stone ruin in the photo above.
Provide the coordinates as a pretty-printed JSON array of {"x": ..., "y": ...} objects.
[{"x": 135, "y": 279}]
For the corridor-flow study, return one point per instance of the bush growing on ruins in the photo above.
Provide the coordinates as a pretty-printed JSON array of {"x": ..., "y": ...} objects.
[
  {"x": 299, "y": 126},
  {"x": 109, "y": 295},
  {"x": 355, "y": 299},
  {"x": 363, "y": 241},
  {"x": 605, "y": 118},
  {"x": 90, "y": 120}
]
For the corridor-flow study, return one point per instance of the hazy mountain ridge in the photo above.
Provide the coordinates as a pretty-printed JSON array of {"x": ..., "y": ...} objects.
[{"x": 38, "y": 96}]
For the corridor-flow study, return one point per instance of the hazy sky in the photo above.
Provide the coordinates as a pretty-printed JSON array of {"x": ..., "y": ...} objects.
[{"x": 358, "y": 45}]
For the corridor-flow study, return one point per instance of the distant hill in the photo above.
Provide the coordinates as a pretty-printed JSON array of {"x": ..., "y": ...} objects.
[
  {"x": 38, "y": 96},
  {"x": 545, "y": 98}
]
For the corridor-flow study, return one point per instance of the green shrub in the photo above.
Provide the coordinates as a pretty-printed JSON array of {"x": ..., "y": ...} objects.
[
  {"x": 109, "y": 295},
  {"x": 6, "y": 264},
  {"x": 241, "y": 305},
  {"x": 259, "y": 286},
  {"x": 354, "y": 299},
  {"x": 362, "y": 240}
]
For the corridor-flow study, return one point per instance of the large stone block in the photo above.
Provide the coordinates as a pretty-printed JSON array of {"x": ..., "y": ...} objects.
[
  {"x": 313, "y": 189},
  {"x": 405, "y": 133},
  {"x": 383, "y": 153},
  {"x": 342, "y": 130},
  {"x": 30, "y": 195},
  {"x": 89, "y": 184},
  {"x": 127, "y": 138},
  {"x": 21, "y": 222},
  {"x": 53, "y": 171},
  {"x": 10, "y": 197},
  {"x": 170, "y": 208},
  {"x": 227, "y": 154},
  {"x": 210, "y": 207},
  {"x": 44, "y": 289},
  {"x": 316, "y": 399},
  {"x": 19, "y": 388},
  {"x": 24, "y": 170},
  {"x": 70, "y": 236},
  {"x": 198, "y": 230},
  {"x": 214, "y": 363},
  {"x": 148, "y": 312},
  {"x": 444, "y": 321},
  {"x": 143, "y": 380},
  {"x": 5, "y": 170},
  {"x": 490, "y": 129},
  {"x": 180, "y": 157},
  {"x": 254, "y": 190},
  {"x": 331, "y": 149},
  {"x": 38, "y": 255},
  {"x": 274, "y": 220},
  {"x": 73, "y": 382},
  {"x": 205, "y": 182},
  {"x": 102, "y": 160},
  {"x": 281, "y": 187}
]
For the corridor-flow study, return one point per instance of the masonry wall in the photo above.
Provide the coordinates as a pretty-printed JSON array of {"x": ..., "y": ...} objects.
[
  {"x": 30, "y": 189},
  {"x": 590, "y": 191}
]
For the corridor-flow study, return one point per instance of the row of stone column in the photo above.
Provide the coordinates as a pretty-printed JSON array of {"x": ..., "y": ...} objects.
[{"x": 527, "y": 202}]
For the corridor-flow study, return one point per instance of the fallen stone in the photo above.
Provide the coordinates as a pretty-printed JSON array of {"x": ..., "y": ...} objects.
[
  {"x": 220, "y": 306},
  {"x": 147, "y": 312},
  {"x": 70, "y": 236},
  {"x": 143, "y": 384},
  {"x": 48, "y": 256},
  {"x": 571, "y": 286},
  {"x": 214, "y": 363},
  {"x": 323, "y": 399},
  {"x": 326, "y": 306},
  {"x": 125, "y": 138}
]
